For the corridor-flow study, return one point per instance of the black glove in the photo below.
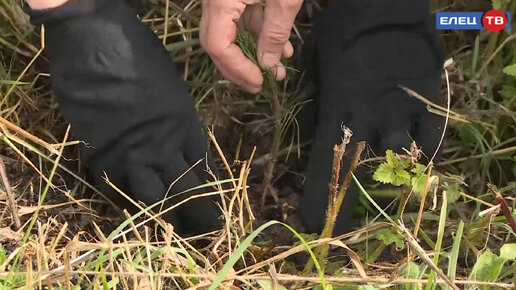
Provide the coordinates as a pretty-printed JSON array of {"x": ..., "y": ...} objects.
[
  {"x": 358, "y": 54},
  {"x": 119, "y": 89}
]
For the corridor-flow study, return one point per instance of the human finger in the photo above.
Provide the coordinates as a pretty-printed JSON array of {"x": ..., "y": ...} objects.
[
  {"x": 279, "y": 16},
  {"x": 218, "y": 31}
]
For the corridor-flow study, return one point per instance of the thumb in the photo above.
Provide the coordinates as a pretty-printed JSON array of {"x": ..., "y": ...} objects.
[{"x": 279, "y": 16}]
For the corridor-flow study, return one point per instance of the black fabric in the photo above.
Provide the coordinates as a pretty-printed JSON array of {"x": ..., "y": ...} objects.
[
  {"x": 358, "y": 54},
  {"x": 69, "y": 9},
  {"x": 119, "y": 89}
]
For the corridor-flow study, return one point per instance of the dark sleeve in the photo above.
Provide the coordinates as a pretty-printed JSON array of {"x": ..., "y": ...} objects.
[
  {"x": 111, "y": 74},
  {"x": 119, "y": 89}
]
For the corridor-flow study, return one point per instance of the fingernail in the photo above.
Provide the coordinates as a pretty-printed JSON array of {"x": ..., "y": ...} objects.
[{"x": 254, "y": 90}]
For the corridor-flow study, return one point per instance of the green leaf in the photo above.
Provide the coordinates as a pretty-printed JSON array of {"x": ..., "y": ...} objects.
[
  {"x": 3, "y": 72},
  {"x": 418, "y": 183},
  {"x": 388, "y": 175},
  {"x": 3, "y": 255},
  {"x": 510, "y": 70},
  {"x": 453, "y": 193},
  {"x": 237, "y": 255},
  {"x": 388, "y": 237},
  {"x": 113, "y": 283},
  {"x": 487, "y": 268},
  {"x": 307, "y": 237},
  {"x": 392, "y": 159},
  {"x": 393, "y": 171},
  {"x": 384, "y": 173},
  {"x": 267, "y": 285},
  {"x": 406, "y": 163},
  {"x": 401, "y": 177},
  {"x": 497, "y": 4},
  {"x": 438, "y": 245},
  {"x": 508, "y": 91},
  {"x": 11, "y": 82},
  {"x": 454, "y": 254},
  {"x": 409, "y": 270},
  {"x": 334, "y": 267},
  {"x": 418, "y": 169},
  {"x": 508, "y": 252}
]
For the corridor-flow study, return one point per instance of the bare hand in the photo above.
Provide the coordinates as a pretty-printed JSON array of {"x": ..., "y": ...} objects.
[
  {"x": 271, "y": 24},
  {"x": 45, "y": 4}
]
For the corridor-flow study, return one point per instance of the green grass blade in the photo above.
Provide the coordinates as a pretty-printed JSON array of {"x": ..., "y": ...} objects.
[
  {"x": 371, "y": 200},
  {"x": 247, "y": 242},
  {"x": 440, "y": 236},
  {"x": 452, "y": 262}
]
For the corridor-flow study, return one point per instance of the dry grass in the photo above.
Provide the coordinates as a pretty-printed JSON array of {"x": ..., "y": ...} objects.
[{"x": 53, "y": 233}]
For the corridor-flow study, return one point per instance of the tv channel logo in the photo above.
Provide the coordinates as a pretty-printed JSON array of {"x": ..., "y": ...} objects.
[{"x": 493, "y": 20}]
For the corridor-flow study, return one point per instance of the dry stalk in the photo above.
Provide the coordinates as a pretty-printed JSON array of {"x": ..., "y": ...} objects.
[
  {"x": 503, "y": 205},
  {"x": 301, "y": 248},
  {"x": 420, "y": 252},
  {"x": 423, "y": 199},
  {"x": 28, "y": 135},
  {"x": 378, "y": 279},
  {"x": 11, "y": 201},
  {"x": 349, "y": 177},
  {"x": 336, "y": 195},
  {"x": 405, "y": 194},
  {"x": 436, "y": 108}
]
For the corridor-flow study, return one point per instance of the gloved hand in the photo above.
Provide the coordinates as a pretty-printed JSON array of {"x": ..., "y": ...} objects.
[
  {"x": 119, "y": 89},
  {"x": 358, "y": 54}
]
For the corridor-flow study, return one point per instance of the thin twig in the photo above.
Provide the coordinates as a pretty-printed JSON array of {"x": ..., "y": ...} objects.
[
  {"x": 503, "y": 205},
  {"x": 420, "y": 252},
  {"x": 490, "y": 153},
  {"x": 423, "y": 200},
  {"x": 492, "y": 56},
  {"x": 292, "y": 278},
  {"x": 11, "y": 201},
  {"x": 28, "y": 135}
]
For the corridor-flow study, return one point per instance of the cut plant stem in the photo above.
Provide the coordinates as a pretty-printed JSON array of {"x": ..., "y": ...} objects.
[{"x": 336, "y": 195}]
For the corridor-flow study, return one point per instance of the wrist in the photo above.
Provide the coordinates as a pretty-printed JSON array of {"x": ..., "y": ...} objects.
[{"x": 45, "y": 4}]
